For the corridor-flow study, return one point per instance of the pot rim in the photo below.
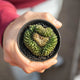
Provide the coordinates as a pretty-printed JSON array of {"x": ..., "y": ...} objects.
[{"x": 37, "y": 21}]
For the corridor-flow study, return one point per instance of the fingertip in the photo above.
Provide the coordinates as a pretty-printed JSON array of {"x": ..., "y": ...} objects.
[
  {"x": 42, "y": 71},
  {"x": 57, "y": 23}
]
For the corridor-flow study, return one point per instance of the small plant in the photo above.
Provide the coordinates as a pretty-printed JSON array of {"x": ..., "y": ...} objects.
[{"x": 39, "y": 40}]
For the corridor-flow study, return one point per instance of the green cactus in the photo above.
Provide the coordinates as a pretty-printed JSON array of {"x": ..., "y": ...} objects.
[
  {"x": 39, "y": 40},
  {"x": 46, "y": 32}
]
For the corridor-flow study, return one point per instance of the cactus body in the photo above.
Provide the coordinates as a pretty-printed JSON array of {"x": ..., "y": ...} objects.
[{"x": 39, "y": 40}]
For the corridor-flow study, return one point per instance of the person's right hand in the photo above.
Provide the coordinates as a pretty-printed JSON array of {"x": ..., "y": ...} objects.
[{"x": 12, "y": 54}]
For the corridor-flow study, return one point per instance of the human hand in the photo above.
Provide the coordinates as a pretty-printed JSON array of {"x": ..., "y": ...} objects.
[{"x": 13, "y": 56}]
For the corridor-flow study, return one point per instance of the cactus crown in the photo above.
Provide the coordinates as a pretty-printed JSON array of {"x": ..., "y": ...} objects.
[{"x": 39, "y": 40}]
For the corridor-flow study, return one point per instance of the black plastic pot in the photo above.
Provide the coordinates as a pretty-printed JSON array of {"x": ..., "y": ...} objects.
[{"x": 26, "y": 52}]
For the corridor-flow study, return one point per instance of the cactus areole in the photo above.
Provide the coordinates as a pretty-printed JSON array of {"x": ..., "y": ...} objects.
[{"x": 38, "y": 40}]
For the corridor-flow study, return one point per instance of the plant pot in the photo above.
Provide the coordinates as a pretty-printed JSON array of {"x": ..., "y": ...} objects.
[{"x": 26, "y": 52}]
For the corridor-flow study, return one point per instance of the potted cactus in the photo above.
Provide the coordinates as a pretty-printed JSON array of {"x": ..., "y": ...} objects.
[{"x": 38, "y": 40}]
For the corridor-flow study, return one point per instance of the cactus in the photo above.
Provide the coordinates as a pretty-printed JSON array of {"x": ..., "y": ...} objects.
[{"x": 39, "y": 40}]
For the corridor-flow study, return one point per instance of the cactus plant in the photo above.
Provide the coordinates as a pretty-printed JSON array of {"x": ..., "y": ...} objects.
[{"x": 39, "y": 40}]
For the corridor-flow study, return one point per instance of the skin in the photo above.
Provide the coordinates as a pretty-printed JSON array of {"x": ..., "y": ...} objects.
[{"x": 13, "y": 56}]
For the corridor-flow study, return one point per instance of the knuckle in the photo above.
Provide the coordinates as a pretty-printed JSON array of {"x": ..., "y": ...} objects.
[
  {"x": 46, "y": 15},
  {"x": 27, "y": 14},
  {"x": 7, "y": 49},
  {"x": 27, "y": 70},
  {"x": 7, "y": 60},
  {"x": 13, "y": 64},
  {"x": 4, "y": 59},
  {"x": 45, "y": 66}
]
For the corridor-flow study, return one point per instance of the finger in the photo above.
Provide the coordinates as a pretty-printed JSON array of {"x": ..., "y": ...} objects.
[
  {"x": 41, "y": 71},
  {"x": 7, "y": 58},
  {"x": 44, "y": 16},
  {"x": 55, "y": 56},
  {"x": 56, "y": 23},
  {"x": 52, "y": 20},
  {"x": 7, "y": 55},
  {"x": 35, "y": 66},
  {"x": 22, "y": 60},
  {"x": 49, "y": 63},
  {"x": 39, "y": 66},
  {"x": 28, "y": 70},
  {"x": 13, "y": 64}
]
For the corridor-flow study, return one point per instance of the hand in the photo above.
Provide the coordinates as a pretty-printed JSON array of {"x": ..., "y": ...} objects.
[{"x": 12, "y": 54}]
